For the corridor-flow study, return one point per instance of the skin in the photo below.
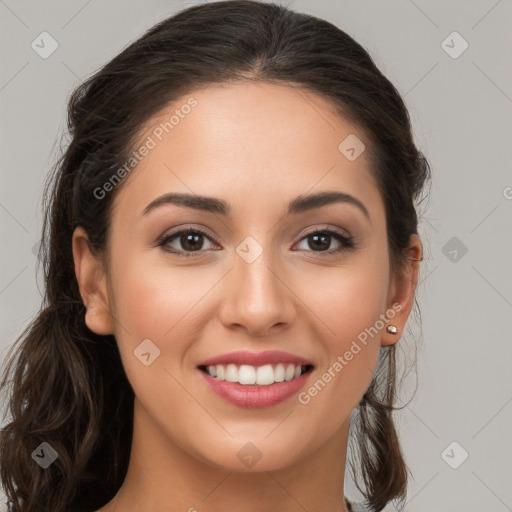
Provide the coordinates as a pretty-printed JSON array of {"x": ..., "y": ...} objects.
[{"x": 257, "y": 146}]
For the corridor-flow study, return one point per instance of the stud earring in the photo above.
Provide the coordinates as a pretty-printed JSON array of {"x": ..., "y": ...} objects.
[{"x": 392, "y": 329}]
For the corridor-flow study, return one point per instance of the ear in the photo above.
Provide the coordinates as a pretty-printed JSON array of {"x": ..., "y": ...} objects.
[
  {"x": 92, "y": 283},
  {"x": 402, "y": 290}
]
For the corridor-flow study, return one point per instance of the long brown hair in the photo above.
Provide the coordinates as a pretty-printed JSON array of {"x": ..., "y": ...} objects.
[{"x": 66, "y": 384}]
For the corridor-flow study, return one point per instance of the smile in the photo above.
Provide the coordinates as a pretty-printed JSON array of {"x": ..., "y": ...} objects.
[
  {"x": 248, "y": 375},
  {"x": 255, "y": 379}
]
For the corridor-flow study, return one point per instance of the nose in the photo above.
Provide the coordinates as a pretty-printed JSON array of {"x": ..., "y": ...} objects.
[{"x": 257, "y": 298}]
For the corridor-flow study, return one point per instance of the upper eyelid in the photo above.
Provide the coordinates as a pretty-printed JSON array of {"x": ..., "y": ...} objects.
[
  {"x": 337, "y": 230},
  {"x": 178, "y": 231}
]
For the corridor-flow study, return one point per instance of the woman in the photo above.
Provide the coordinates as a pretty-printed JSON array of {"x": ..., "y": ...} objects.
[{"x": 231, "y": 255}]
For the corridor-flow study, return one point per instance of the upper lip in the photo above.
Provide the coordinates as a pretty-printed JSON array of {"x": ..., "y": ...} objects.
[{"x": 256, "y": 358}]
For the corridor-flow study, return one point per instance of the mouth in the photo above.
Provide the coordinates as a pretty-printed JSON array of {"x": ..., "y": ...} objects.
[
  {"x": 255, "y": 379},
  {"x": 263, "y": 375}
]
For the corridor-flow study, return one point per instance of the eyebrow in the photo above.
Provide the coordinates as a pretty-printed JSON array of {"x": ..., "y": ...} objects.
[{"x": 298, "y": 205}]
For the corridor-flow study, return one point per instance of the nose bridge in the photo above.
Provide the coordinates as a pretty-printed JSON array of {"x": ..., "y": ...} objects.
[
  {"x": 257, "y": 297},
  {"x": 257, "y": 282}
]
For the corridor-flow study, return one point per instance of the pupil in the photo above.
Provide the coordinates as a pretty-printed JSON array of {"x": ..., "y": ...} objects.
[
  {"x": 316, "y": 238},
  {"x": 188, "y": 238}
]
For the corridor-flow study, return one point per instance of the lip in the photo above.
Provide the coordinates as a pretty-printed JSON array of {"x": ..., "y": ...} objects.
[
  {"x": 255, "y": 396},
  {"x": 256, "y": 358}
]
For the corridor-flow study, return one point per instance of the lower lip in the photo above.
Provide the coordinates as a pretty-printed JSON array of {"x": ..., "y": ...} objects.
[{"x": 254, "y": 396}]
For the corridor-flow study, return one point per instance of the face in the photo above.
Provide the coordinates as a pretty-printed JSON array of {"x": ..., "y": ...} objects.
[{"x": 313, "y": 282}]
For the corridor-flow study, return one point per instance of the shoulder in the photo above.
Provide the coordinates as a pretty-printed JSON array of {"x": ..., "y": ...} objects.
[
  {"x": 81, "y": 509},
  {"x": 356, "y": 506}
]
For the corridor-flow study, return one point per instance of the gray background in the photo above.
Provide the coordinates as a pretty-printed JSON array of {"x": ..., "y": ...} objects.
[{"x": 461, "y": 112}]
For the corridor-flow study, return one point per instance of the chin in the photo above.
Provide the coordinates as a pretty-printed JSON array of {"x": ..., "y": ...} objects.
[{"x": 252, "y": 455}]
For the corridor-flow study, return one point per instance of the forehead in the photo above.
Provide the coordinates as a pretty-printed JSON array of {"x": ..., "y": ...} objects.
[{"x": 248, "y": 142}]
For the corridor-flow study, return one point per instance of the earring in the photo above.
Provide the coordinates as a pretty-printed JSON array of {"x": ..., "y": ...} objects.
[{"x": 392, "y": 329}]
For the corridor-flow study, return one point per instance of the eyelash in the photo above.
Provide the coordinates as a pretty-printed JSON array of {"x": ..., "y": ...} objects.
[{"x": 347, "y": 242}]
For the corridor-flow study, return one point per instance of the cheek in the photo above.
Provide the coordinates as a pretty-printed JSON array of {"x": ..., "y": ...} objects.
[
  {"x": 153, "y": 296},
  {"x": 346, "y": 300},
  {"x": 157, "y": 305},
  {"x": 150, "y": 303},
  {"x": 349, "y": 303}
]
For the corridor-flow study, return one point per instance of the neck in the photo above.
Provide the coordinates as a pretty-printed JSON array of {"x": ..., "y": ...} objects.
[{"x": 162, "y": 477}]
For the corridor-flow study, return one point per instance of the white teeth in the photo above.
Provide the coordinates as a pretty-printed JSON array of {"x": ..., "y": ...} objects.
[
  {"x": 260, "y": 375},
  {"x": 247, "y": 374},
  {"x": 290, "y": 370},
  {"x": 231, "y": 374},
  {"x": 279, "y": 373},
  {"x": 265, "y": 375}
]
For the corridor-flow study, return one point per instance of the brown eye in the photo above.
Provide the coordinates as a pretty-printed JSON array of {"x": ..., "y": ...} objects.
[
  {"x": 320, "y": 241},
  {"x": 190, "y": 240}
]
